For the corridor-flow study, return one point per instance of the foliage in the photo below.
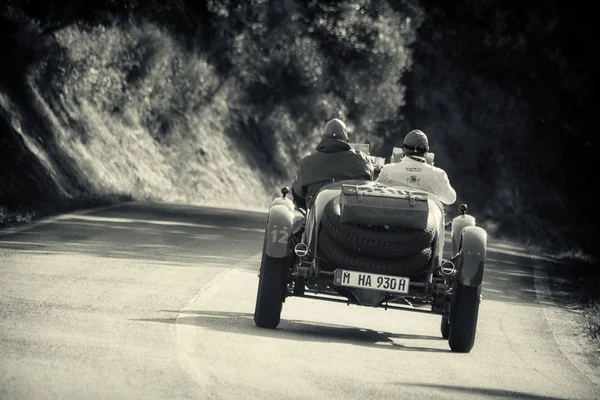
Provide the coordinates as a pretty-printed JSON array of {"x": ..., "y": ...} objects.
[
  {"x": 580, "y": 276},
  {"x": 506, "y": 99},
  {"x": 303, "y": 63},
  {"x": 126, "y": 99},
  {"x": 508, "y": 103}
]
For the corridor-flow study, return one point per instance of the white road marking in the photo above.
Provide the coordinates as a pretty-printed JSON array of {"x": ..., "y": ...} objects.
[
  {"x": 154, "y": 222},
  {"x": 48, "y": 220},
  {"x": 185, "y": 334}
]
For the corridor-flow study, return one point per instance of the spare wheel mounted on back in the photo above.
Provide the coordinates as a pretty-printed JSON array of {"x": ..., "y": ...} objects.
[
  {"x": 375, "y": 241},
  {"x": 338, "y": 257}
]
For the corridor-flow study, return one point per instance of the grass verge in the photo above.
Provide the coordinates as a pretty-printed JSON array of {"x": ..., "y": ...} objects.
[
  {"x": 28, "y": 214},
  {"x": 579, "y": 274}
]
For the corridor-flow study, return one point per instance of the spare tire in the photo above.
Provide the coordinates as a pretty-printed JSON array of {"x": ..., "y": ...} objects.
[
  {"x": 375, "y": 241},
  {"x": 337, "y": 256}
]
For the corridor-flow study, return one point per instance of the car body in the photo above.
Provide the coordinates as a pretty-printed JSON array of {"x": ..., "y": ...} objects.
[{"x": 312, "y": 254}]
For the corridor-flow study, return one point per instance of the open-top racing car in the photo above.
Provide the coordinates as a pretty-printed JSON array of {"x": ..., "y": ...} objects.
[{"x": 367, "y": 244}]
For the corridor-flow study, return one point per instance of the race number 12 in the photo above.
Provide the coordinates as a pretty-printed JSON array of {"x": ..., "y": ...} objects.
[{"x": 279, "y": 235}]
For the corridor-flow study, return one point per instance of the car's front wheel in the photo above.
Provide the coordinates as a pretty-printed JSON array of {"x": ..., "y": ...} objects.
[{"x": 271, "y": 291}]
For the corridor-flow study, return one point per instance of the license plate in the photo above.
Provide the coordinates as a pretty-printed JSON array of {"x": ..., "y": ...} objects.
[{"x": 364, "y": 280}]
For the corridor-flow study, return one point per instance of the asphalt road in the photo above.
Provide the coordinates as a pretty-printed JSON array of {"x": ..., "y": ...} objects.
[{"x": 156, "y": 302}]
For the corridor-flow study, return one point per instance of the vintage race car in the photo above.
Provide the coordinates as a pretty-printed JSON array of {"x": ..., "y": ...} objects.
[{"x": 365, "y": 244}]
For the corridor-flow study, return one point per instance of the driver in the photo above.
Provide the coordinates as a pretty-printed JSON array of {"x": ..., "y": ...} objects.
[
  {"x": 414, "y": 171},
  {"x": 333, "y": 160}
]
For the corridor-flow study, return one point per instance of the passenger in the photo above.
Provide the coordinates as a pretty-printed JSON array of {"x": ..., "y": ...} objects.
[
  {"x": 333, "y": 160},
  {"x": 414, "y": 171}
]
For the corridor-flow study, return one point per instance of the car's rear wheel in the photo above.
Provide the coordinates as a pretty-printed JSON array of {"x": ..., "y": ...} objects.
[
  {"x": 271, "y": 291},
  {"x": 464, "y": 312},
  {"x": 445, "y": 327}
]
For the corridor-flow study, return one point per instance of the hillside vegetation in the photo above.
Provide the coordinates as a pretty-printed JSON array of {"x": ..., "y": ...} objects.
[{"x": 215, "y": 102}]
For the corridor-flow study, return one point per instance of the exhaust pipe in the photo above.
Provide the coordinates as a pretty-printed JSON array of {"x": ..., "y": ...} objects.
[
  {"x": 301, "y": 250},
  {"x": 447, "y": 268}
]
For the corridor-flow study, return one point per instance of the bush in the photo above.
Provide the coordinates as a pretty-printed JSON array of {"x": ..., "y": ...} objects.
[{"x": 162, "y": 99}]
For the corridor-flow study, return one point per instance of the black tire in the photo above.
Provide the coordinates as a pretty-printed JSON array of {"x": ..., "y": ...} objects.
[
  {"x": 463, "y": 317},
  {"x": 337, "y": 256},
  {"x": 271, "y": 291},
  {"x": 445, "y": 327},
  {"x": 375, "y": 242}
]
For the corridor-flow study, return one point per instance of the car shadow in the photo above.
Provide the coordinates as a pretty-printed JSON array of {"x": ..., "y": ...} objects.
[
  {"x": 487, "y": 393},
  {"x": 309, "y": 331}
]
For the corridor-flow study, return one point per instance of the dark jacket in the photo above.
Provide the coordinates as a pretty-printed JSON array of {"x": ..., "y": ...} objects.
[{"x": 334, "y": 160}]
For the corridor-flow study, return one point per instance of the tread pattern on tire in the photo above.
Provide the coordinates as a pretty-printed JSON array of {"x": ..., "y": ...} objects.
[
  {"x": 463, "y": 318},
  {"x": 271, "y": 292},
  {"x": 337, "y": 256},
  {"x": 390, "y": 244}
]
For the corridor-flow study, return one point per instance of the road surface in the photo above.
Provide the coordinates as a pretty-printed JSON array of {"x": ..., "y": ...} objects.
[{"x": 156, "y": 301}]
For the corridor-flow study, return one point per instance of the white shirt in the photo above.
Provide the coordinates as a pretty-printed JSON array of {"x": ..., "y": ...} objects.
[{"x": 420, "y": 175}]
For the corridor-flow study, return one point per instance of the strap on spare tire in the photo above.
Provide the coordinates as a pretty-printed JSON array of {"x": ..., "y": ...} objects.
[{"x": 375, "y": 241}]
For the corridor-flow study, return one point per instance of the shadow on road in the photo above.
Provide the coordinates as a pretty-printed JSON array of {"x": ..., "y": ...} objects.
[
  {"x": 483, "y": 392},
  {"x": 161, "y": 233},
  {"x": 243, "y": 323},
  {"x": 510, "y": 276}
]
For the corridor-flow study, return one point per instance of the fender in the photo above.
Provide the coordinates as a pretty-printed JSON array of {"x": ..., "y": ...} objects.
[
  {"x": 315, "y": 214},
  {"x": 279, "y": 228},
  {"x": 458, "y": 224},
  {"x": 473, "y": 253}
]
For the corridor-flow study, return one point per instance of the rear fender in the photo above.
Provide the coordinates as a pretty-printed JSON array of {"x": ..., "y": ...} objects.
[
  {"x": 316, "y": 214},
  {"x": 279, "y": 229},
  {"x": 471, "y": 263},
  {"x": 458, "y": 224}
]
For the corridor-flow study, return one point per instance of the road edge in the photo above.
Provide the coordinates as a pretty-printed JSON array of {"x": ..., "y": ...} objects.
[
  {"x": 54, "y": 218},
  {"x": 563, "y": 325}
]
